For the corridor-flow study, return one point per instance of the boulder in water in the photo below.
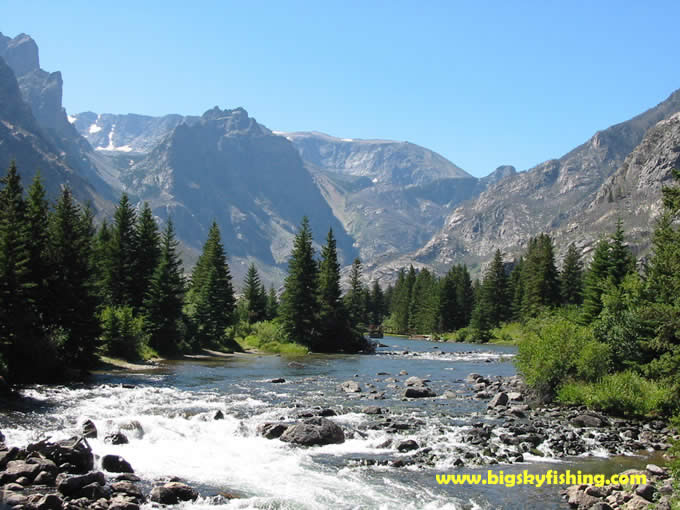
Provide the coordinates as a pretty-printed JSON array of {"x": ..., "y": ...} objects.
[
  {"x": 89, "y": 429},
  {"x": 70, "y": 485},
  {"x": 172, "y": 493},
  {"x": 116, "y": 438},
  {"x": 116, "y": 464},
  {"x": 419, "y": 392},
  {"x": 314, "y": 431},
  {"x": 350, "y": 387},
  {"x": 272, "y": 430},
  {"x": 500, "y": 399}
]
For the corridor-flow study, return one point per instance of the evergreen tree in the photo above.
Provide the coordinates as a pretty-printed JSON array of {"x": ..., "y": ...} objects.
[
  {"x": 377, "y": 304},
  {"x": 299, "y": 308},
  {"x": 272, "y": 304},
  {"x": 211, "y": 294},
  {"x": 424, "y": 306},
  {"x": 16, "y": 312},
  {"x": 119, "y": 276},
  {"x": 146, "y": 255},
  {"x": 494, "y": 302},
  {"x": 255, "y": 296},
  {"x": 354, "y": 300},
  {"x": 540, "y": 278},
  {"x": 37, "y": 214},
  {"x": 595, "y": 281},
  {"x": 333, "y": 319},
  {"x": 73, "y": 294},
  {"x": 571, "y": 277},
  {"x": 516, "y": 290},
  {"x": 165, "y": 295},
  {"x": 448, "y": 301},
  {"x": 621, "y": 259},
  {"x": 465, "y": 297}
]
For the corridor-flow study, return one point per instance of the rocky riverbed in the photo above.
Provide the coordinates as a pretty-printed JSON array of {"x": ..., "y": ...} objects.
[{"x": 318, "y": 432}]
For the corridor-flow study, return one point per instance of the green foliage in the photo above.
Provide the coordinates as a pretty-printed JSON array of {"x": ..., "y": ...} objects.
[
  {"x": 147, "y": 252},
  {"x": 354, "y": 299},
  {"x": 269, "y": 336},
  {"x": 493, "y": 306},
  {"x": 424, "y": 306},
  {"x": 551, "y": 353},
  {"x": 541, "y": 287},
  {"x": 510, "y": 333},
  {"x": 571, "y": 277},
  {"x": 624, "y": 393},
  {"x": 123, "y": 333},
  {"x": 255, "y": 296},
  {"x": 299, "y": 308},
  {"x": 120, "y": 257},
  {"x": 334, "y": 321}
]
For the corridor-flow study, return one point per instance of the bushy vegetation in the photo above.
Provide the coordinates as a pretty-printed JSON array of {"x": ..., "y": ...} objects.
[{"x": 269, "y": 336}]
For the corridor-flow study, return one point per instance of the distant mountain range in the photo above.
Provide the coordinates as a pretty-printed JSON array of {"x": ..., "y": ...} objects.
[{"x": 391, "y": 203}]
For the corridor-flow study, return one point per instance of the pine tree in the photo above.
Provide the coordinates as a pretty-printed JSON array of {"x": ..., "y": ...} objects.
[
  {"x": 146, "y": 255},
  {"x": 73, "y": 294},
  {"x": 377, "y": 304},
  {"x": 255, "y": 296},
  {"x": 516, "y": 290},
  {"x": 164, "y": 299},
  {"x": 211, "y": 294},
  {"x": 494, "y": 302},
  {"x": 37, "y": 213},
  {"x": 272, "y": 304},
  {"x": 621, "y": 259},
  {"x": 299, "y": 308},
  {"x": 595, "y": 281},
  {"x": 16, "y": 311},
  {"x": 541, "y": 283},
  {"x": 571, "y": 277},
  {"x": 354, "y": 301},
  {"x": 448, "y": 301},
  {"x": 119, "y": 277},
  {"x": 333, "y": 319}
]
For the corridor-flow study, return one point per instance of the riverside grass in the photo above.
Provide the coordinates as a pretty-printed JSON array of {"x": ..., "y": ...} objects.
[{"x": 268, "y": 336}]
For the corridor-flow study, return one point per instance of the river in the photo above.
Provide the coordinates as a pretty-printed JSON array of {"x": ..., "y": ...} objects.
[{"x": 168, "y": 413}]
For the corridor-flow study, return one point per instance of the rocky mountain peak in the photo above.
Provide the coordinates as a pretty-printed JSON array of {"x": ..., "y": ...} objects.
[
  {"x": 234, "y": 122},
  {"x": 20, "y": 53}
]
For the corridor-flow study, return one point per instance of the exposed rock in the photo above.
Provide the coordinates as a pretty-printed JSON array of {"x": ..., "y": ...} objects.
[
  {"x": 372, "y": 410},
  {"x": 637, "y": 503},
  {"x": 314, "y": 431},
  {"x": 122, "y": 503},
  {"x": 646, "y": 491},
  {"x": 278, "y": 380},
  {"x": 128, "y": 489},
  {"x": 116, "y": 438},
  {"x": 219, "y": 415},
  {"x": 75, "y": 452},
  {"x": 655, "y": 470},
  {"x": 407, "y": 446},
  {"x": 500, "y": 399},
  {"x": 116, "y": 464},
  {"x": 350, "y": 387},
  {"x": 49, "y": 502},
  {"x": 17, "y": 469},
  {"x": 586, "y": 420},
  {"x": 272, "y": 430},
  {"x": 415, "y": 381},
  {"x": 419, "y": 392},
  {"x": 89, "y": 429},
  {"x": 70, "y": 485},
  {"x": 172, "y": 493}
]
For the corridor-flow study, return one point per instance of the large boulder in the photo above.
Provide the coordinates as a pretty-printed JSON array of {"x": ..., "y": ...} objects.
[
  {"x": 500, "y": 399},
  {"x": 350, "y": 387},
  {"x": 17, "y": 469},
  {"x": 415, "y": 381},
  {"x": 116, "y": 438},
  {"x": 75, "y": 453},
  {"x": 71, "y": 485},
  {"x": 116, "y": 464},
  {"x": 172, "y": 493},
  {"x": 419, "y": 392},
  {"x": 272, "y": 430},
  {"x": 586, "y": 420},
  {"x": 89, "y": 429},
  {"x": 314, "y": 431}
]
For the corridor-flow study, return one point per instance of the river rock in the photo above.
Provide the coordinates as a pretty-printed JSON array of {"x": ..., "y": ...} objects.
[
  {"x": 116, "y": 438},
  {"x": 655, "y": 470},
  {"x": 407, "y": 446},
  {"x": 500, "y": 399},
  {"x": 415, "y": 381},
  {"x": 219, "y": 415},
  {"x": 314, "y": 431},
  {"x": 272, "y": 430},
  {"x": 419, "y": 392},
  {"x": 13, "y": 499},
  {"x": 116, "y": 464},
  {"x": 515, "y": 396},
  {"x": 403, "y": 372},
  {"x": 577, "y": 497},
  {"x": 129, "y": 490},
  {"x": 17, "y": 469},
  {"x": 49, "y": 502},
  {"x": 172, "y": 493},
  {"x": 646, "y": 491},
  {"x": 637, "y": 503},
  {"x": 74, "y": 452},
  {"x": 122, "y": 503},
  {"x": 586, "y": 420},
  {"x": 372, "y": 410},
  {"x": 350, "y": 387},
  {"x": 45, "y": 478},
  {"x": 278, "y": 380},
  {"x": 89, "y": 429},
  {"x": 70, "y": 485}
]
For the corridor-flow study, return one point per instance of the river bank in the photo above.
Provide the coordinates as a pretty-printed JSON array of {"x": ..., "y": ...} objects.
[{"x": 421, "y": 409}]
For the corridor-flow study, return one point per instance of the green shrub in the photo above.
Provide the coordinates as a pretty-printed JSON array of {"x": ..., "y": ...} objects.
[
  {"x": 268, "y": 336},
  {"x": 123, "y": 333},
  {"x": 472, "y": 335},
  {"x": 624, "y": 393},
  {"x": 510, "y": 333},
  {"x": 556, "y": 349}
]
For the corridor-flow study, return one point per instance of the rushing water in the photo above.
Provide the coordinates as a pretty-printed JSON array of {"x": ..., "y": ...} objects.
[{"x": 167, "y": 413}]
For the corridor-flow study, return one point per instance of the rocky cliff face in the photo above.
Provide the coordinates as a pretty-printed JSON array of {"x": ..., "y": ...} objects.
[
  {"x": 551, "y": 197},
  {"x": 390, "y": 196},
  {"x": 228, "y": 167},
  {"x": 23, "y": 140}
]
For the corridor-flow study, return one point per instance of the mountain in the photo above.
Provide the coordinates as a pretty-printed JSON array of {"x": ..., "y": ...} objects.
[
  {"x": 42, "y": 92},
  {"x": 558, "y": 196},
  {"x": 126, "y": 133},
  {"x": 390, "y": 196},
  {"x": 227, "y": 167}
]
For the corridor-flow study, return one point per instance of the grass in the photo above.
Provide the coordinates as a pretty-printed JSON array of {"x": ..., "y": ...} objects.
[
  {"x": 508, "y": 334},
  {"x": 268, "y": 336},
  {"x": 625, "y": 393}
]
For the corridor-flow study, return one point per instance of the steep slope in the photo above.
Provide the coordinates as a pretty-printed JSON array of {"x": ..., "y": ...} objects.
[
  {"x": 42, "y": 91},
  {"x": 390, "y": 196},
  {"x": 546, "y": 198},
  {"x": 24, "y": 141},
  {"x": 229, "y": 168}
]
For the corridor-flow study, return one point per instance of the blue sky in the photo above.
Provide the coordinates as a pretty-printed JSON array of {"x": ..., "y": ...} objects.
[{"x": 482, "y": 83}]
